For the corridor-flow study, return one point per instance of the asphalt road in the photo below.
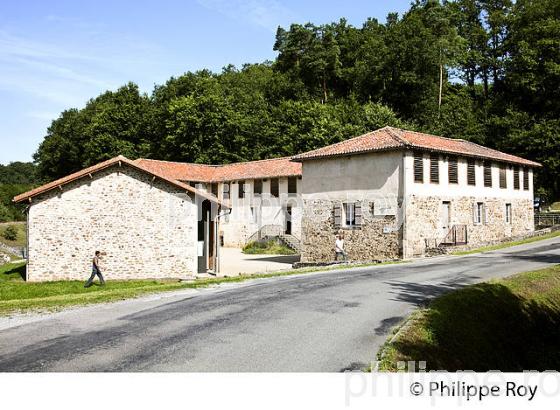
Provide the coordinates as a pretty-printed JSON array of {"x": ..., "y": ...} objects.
[{"x": 326, "y": 322}]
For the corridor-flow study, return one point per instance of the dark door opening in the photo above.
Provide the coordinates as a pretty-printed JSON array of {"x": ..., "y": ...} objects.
[
  {"x": 206, "y": 233},
  {"x": 288, "y": 219}
]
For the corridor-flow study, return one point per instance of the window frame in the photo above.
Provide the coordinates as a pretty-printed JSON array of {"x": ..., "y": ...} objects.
[
  {"x": 241, "y": 189},
  {"x": 453, "y": 165},
  {"x": 479, "y": 213},
  {"x": 509, "y": 213},
  {"x": 487, "y": 174},
  {"x": 257, "y": 183},
  {"x": 471, "y": 172},
  {"x": 346, "y": 206},
  {"x": 503, "y": 177},
  {"x": 434, "y": 168},
  {"x": 277, "y": 183},
  {"x": 418, "y": 167},
  {"x": 292, "y": 183}
]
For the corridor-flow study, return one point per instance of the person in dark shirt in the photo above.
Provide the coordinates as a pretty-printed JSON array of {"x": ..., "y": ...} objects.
[{"x": 95, "y": 271}]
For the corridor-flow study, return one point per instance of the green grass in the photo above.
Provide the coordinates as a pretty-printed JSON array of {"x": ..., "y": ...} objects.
[
  {"x": 16, "y": 295},
  {"x": 508, "y": 244},
  {"x": 511, "y": 324},
  {"x": 21, "y": 234},
  {"x": 270, "y": 247}
]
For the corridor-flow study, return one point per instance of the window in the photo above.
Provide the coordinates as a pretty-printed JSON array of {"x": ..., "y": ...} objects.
[
  {"x": 274, "y": 190},
  {"x": 487, "y": 174},
  {"x": 453, "y": 176},
  {"x": 292, "y": 185},
  {"x": 257, "y": 188},
  {"x": 516, "y": 178},
  {"x": 434, "y": 168},
  {"x": 418, "y": 167},
  {"x": 225, "y": 190},
  {"x": 503, "y": 180},
  {"x": 525, "y": 179},
  {"x": 214, "y": 189},
  {"x": 508, "y": 213},
  {"x": 349, "y": 214},
  {"x": 471, "y": 173},
  {"x": 479, "y": 213},
  {"x": 241, "y": 186}
]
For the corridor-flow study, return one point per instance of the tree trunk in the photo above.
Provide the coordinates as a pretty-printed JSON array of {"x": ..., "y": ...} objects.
[
  {"x": 440, "y": 88},
  {"x": 325, "y": 96}
]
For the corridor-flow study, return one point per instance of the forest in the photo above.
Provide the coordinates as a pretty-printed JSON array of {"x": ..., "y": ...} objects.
[{"x": 482, "y": 70}]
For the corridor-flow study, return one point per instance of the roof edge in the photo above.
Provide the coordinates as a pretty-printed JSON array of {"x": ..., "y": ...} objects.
[{"x": 58, "y": 183}]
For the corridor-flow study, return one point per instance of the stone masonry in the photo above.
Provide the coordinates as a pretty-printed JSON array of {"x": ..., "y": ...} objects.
[
  {"x": 145, "y": 227},
  {"x": 423, "y": 222},
  {"x": 378, "y": 237}
]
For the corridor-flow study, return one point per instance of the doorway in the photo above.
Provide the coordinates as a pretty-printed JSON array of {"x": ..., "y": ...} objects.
[
  {"x": 288, "y": 216},
  {"x": 206, "y": 238},
  {"x": 446, "y": 217}
]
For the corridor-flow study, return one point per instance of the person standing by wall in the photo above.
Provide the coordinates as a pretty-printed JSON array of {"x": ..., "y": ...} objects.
[
  {"x": 339, "y": 248},
  {"x": 95, "y": 271}
]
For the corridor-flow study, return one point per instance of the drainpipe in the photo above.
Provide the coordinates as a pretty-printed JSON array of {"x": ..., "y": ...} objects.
[{"x": 216, "y": 238}]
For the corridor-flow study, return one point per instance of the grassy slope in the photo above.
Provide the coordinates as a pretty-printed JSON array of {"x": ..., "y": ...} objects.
[
  {"x": 21, "y": 238},
  {"x": 509, "y": 325},
  {"x": 508, "y": 244}
]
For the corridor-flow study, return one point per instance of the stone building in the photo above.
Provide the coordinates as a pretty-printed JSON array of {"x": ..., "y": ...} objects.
[
  {"x": 394, "y": 193},
  {"x": 158, "y": 219}
]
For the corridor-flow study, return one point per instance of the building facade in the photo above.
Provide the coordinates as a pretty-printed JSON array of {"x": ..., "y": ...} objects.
[
  {"x": 391, "y": 193},
  {"x": 396, "y": 194}
]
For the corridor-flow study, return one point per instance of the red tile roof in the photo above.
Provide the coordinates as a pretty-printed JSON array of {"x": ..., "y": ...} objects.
[
  {"x": 389, "y": 138},
  {"x": 103, "y": 165},
  {"x": 267, "y": 168}
]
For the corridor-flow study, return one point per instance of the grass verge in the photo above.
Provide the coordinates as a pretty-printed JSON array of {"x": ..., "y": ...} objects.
[
  {"x": 270, "y": 247},
  {"x": 511, "y": 324},
  {"x": 16, "y": 295},
  {"x": 508, "y": 244}
]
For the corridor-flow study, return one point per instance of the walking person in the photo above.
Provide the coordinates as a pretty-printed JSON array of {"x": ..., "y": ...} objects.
[
  {"x": 339, "y": 248},
  {"x": 95, "y": 271}
]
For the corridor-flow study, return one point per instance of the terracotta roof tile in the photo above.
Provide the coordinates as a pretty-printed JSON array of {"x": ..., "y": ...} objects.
[
  {"x": 103, "y": 165},
  {"x": 389, "y": 138},
  {"x": 267, "y": 168}
]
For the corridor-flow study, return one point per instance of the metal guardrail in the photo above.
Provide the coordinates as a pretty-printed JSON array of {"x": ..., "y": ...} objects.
[{"x": 546, "y": 219}]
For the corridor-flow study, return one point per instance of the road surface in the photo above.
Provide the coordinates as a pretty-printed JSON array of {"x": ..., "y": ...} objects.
[{"x": 325, "y": 322}]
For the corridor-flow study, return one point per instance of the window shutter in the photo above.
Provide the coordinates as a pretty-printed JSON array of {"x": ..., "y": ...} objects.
[
  {"x": 474, "y": 212},
  {"x": 337, "y": 215},
  {"x": 358, "y": 213}
]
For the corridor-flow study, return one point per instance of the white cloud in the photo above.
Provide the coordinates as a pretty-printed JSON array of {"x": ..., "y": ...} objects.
[{"x": 263, "y": 13}]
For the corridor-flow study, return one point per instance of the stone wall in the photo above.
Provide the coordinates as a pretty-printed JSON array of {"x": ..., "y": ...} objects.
[
  {"x": 369, "y": 242},
  {"x": 424, "y": 220},
  {"x": 147, "y": 228}
]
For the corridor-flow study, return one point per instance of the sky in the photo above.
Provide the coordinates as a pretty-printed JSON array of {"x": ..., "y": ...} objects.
[{"x": 56, "y": 55}]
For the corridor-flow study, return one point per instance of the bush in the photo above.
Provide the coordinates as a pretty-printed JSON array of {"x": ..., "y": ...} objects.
[
  {"x": 271, "y": 247},
  {"x": 10, "y": 233}
]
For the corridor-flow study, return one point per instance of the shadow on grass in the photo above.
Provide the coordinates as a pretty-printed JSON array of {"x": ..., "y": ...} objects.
[
  {"x": 485, "y": 327},
  {"x": 15, "y": 273}
]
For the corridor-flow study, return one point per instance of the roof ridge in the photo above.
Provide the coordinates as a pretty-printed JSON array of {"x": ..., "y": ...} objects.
[
  {"x": 392, "y": 131},
  {"x": 215, "y": 165}
]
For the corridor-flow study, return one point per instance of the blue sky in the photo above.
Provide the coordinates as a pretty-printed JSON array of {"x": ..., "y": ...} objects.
[{"x": 56, "y": 55}]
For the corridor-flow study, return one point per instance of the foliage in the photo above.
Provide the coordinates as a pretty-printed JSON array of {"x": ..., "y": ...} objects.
[
  {"x": 506, "y": 325},
  {"x": 270, "y": 247},
  {"x": 10, "y": 233},
  {"x": 482, "y": 70},
  {"x": 8, "y": 210}
]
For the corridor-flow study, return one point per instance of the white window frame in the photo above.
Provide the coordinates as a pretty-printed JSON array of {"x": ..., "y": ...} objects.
[
  {"x": 479, "y": 213},
  {"x": 508, "y": 213},
  {"x": 349, "y": 215}
]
